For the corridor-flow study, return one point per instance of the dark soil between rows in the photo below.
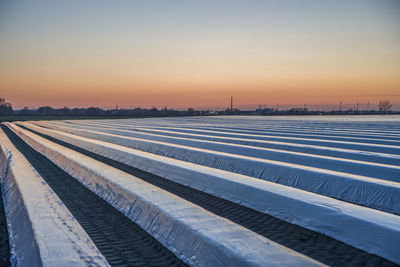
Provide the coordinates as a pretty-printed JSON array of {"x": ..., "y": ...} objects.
[{"x": 4, "y": 243}]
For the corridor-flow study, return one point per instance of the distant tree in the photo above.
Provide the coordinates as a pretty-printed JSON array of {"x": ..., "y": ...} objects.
[
  {"x": 5, "y": 108},
  {"x": 153, "y": 111},
  {"x": 385, "y": 106},
  {"x": 25, "y": 111},
  {"x": 46, "y": 111},
  {"x": 93, "y": 111},
  {"x": 65, "y": 111}
]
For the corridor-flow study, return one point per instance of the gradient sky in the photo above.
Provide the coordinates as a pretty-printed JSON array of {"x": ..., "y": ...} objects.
[{"x": 198, "y": 53}]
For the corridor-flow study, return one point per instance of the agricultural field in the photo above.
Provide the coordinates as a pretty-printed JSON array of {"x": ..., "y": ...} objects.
[{"x": 201, "y": 191}]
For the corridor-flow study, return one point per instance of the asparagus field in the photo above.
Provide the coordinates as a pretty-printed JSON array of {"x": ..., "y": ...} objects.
[{"x": 201, "y": 191}]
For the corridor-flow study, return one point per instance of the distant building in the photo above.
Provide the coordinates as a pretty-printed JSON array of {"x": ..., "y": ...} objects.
[
  {"x": 264, "y": 111},
  {"x": 298, "y": 110}
]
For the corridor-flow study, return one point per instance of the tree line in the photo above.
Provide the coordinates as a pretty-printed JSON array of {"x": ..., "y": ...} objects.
[{"x": 7, "y": 110}]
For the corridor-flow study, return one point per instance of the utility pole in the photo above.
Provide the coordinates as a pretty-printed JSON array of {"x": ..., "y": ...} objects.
[{"x": 231, "y": 103}]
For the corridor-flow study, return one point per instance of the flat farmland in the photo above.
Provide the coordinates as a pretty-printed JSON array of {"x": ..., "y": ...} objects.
[{"x": 201, "y": 191}]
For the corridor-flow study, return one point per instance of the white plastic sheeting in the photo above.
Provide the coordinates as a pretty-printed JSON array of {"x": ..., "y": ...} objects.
[
  {"x": 42, "y": 232},
  {"x": 377, "y": 157},
  {"x": 388, "y": 140},
  {"x": 368, "y": 229},
  {"x": 367, "y": 146},
  {"x": 354, "y": 145},
  {"x": 371, "y": 192},
  {"x": 388, "y": 172},
  {"x": 193, "y": 234}
]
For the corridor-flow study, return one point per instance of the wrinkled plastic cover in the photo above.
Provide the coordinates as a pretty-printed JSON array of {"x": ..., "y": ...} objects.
[
  {"x": 354, "y": 163},
  {"x": 195, "y": 235},
  {"x": 380, "y": 154},
  {"x": 365, "y": 228},
  {"x": 368, "y": 191},
  {"x": 42, "y": 232}
]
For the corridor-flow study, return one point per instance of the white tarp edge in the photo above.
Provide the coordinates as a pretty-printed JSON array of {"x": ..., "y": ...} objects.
[{"x": 42, "y": 232}]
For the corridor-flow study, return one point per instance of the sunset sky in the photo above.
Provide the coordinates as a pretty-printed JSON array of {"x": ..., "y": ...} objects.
[{"x": 81, "y": 53}]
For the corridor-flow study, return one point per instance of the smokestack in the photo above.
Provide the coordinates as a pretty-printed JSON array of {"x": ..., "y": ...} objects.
[{"x": 231, "y": 103}]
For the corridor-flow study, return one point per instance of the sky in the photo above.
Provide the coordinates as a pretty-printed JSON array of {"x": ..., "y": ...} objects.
[{"x": 180, "y": 54}]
